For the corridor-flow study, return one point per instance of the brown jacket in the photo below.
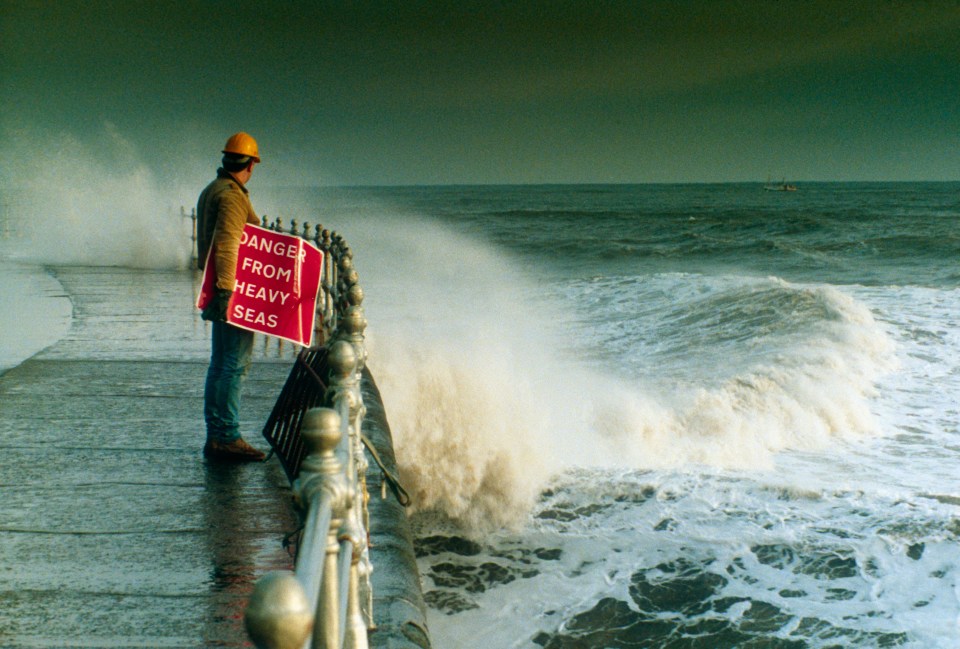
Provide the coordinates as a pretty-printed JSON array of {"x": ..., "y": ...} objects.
[{"x": 222, "y": 210}]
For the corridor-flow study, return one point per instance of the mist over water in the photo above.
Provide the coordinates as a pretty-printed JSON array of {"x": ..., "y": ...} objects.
[{"x": 94, "y": 202}]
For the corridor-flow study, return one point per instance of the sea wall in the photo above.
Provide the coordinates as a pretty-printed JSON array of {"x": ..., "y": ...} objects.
[{"x": 398, "y": 606}]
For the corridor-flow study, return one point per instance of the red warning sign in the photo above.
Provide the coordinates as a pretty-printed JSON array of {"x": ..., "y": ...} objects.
[{"x": 278, "y": 276}]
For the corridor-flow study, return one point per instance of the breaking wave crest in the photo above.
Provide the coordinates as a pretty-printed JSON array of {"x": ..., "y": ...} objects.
[{"x": 757, "y": 367}]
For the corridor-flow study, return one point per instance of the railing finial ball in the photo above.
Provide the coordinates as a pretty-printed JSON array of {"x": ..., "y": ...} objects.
[
  {"x": 321, "y": 430},
  {"x": 342, "y": 359},
  {"x": 353, "y": 320},
  {"x": 278, "y": 616},
  {"x": 355, "y": 295}
]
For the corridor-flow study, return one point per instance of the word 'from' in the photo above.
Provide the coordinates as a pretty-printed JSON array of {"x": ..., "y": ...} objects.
[{"x": 267, "y": 270}]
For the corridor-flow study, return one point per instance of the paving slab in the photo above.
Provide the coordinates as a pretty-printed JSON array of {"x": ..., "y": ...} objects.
[{"x": 113, "y": 529}]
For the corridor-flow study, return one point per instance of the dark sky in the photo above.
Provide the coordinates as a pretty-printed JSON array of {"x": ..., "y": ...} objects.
[{"x": 463, "y": 92}]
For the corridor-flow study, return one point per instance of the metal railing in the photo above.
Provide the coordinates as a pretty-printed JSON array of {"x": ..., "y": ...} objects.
[{"x": 327, "y": 601}]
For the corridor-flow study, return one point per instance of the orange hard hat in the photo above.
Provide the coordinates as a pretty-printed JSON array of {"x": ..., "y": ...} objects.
[{"x": 242, "y": 144}]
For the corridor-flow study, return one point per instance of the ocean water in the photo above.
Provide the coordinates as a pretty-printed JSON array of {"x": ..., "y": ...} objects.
[
  {"x": 662, "y": 416},
  {"x": 674, "y": 416}
]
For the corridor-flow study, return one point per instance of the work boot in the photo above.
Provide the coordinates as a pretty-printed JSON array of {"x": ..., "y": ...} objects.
[{"x": 236, "y": 451}]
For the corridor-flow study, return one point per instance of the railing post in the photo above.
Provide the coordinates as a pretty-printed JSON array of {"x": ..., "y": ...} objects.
[
  {"x": 346, "y": 360},
  {"x": 322, "y": 477},
  {"x": 193, "y": 231},
  {"x": 323, "y": 297},
  {"x": 355, "y": 636},
  {"x": 352, "y": 326},
  {"x": 326, "y": 634},
  {"x": 327, "y": 247}
]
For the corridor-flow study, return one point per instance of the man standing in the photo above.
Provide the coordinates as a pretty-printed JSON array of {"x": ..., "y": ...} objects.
[{"x": 223, "y": 210}]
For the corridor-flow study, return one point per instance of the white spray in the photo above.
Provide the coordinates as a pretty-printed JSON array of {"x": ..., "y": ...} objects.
[
  {"x": 484, "y": 410},
  {"x": 74, "y": 201}
]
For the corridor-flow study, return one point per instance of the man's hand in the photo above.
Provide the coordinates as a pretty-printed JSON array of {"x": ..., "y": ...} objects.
[{"x": 216, "y": 311}]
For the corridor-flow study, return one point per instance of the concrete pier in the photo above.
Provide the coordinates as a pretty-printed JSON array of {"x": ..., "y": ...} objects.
[{"x": 114, "y": 531}]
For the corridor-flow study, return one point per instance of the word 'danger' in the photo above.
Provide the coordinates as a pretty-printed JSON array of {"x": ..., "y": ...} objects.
[{"x": 278, "y": 276}]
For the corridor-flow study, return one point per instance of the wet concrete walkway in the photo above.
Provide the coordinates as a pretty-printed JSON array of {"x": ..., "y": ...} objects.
[{"x": 114, "y": 531}]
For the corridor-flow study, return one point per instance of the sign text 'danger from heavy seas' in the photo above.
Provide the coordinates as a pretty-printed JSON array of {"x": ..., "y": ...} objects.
[{"x": 278, "y": 276}]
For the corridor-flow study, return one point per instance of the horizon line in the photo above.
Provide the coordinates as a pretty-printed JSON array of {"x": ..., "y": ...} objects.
[{"x": 760, "y": 183}]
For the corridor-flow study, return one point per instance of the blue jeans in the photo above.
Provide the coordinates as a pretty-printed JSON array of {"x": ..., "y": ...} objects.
[{"x": 229, "y": 362}]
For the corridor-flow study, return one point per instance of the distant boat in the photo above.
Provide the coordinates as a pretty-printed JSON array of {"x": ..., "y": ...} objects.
[{"x": 783, "y": 186}]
